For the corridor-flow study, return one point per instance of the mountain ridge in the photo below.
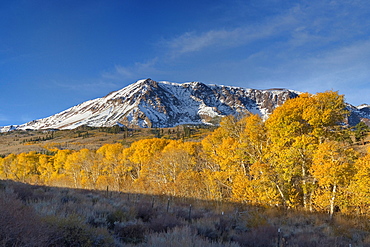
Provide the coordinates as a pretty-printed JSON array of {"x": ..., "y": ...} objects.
[{"x": 148, "y": 103}]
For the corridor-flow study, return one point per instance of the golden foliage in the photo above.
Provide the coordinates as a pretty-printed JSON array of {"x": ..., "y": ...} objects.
[{"x": 291, "y": 160}]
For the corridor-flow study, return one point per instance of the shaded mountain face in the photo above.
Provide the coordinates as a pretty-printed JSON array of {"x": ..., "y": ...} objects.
[
  {"x": 357, "y": 114},
  {"x": 148, "y": 103}
]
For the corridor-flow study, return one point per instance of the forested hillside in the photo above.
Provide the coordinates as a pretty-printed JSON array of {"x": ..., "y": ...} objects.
[{"x": 302, "y": 156}]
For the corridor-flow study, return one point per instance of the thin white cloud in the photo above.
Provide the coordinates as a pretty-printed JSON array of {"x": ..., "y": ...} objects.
[
  {"x": 137, "y": 70},
  {"x": 121, "y": 71},
  {"x": 314, "y": 24},
  {"x": 194, "y": 42}
]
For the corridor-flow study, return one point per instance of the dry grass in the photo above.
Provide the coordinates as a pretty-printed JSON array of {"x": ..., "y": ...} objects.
[{"x": 49, "y": 216}]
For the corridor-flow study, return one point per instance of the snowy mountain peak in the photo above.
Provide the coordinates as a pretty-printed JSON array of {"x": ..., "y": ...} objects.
[
  {"x": 147, "y": 103},
  {"x": 362, "y": 106}
]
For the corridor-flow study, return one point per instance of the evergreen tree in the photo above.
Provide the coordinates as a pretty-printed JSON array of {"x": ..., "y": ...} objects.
[{"x": 361, "y": 130}]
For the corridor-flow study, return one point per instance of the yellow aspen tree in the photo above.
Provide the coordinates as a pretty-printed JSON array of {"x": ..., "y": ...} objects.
[
  {"x": 91, "y": 167},
  {"x": 190, "y": 184},
  {"x": 295, "y": 129},
  {"x": 26, "y": 167},
  {"x": 286, "y": 126},
  {"x": 287, "y": 122},
  {"x": 221, "y": 164},
  {"x": 59, "y": 175},
  {"x": 124, "y": 174},
  {"x": 2, "y": 173},
  {"x": 231, "y": 149},
  {"x": 96, "y": 171},
  {"x": 213, "y": 190},
  {"x": 112, "y": 161},
  {"x": 359, "y": 188},
  {"x": 251, "y": 154},
  {"x": 45, "y": 169},
  {"x": 325, "y": 113},
  {"x": 210, "y": 146},
  {"x": 84, "y": 168},
  {"x": 193, "y": 149},
  {"x": 144, "y": 150},
  {"x": 141, "y": 154},
  {"x": 132, "y": 167},
  {"x": 73, "y": 169},
  {"x": 259, "y": 189},
  {"x": 254, "y": 142},
  {"x": 176, "y": 158},
  {"x": 333, "y": 168},
  {"x": 222, "y": 155},
  {"x": 168, "y": 165},
  {"x": 7, "y": 165},
  {"x": 211, "y": 170}
]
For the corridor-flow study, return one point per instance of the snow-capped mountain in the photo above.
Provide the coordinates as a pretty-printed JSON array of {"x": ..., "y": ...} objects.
[
  {"x": 359, "y": 113},
  {"x": 147, "y": 103}
]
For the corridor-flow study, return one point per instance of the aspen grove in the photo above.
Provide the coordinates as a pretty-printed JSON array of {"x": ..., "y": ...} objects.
[{"x": 300, "y": 157}]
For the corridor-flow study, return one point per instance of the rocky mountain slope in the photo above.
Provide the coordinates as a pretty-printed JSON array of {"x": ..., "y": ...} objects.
[{"x": 147, "y": 103}]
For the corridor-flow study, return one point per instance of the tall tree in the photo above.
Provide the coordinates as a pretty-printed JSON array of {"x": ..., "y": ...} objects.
[
  {"x": 140, "y": 155},
  {"x": 223, "y": 157},
  {"x": 7, "y": 167},
  {"x": 295, "y": 129},
  {"x": 45, "y": 168},
  {"x": 26, "y": 168},
  {"x": 113, "y": 170},
  {"x": 333, "y": 168},
  {"x": 359, "y": 188}
]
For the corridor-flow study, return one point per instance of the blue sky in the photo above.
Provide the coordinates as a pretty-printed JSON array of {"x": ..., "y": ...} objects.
[{"x": 57, "y": 54}]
